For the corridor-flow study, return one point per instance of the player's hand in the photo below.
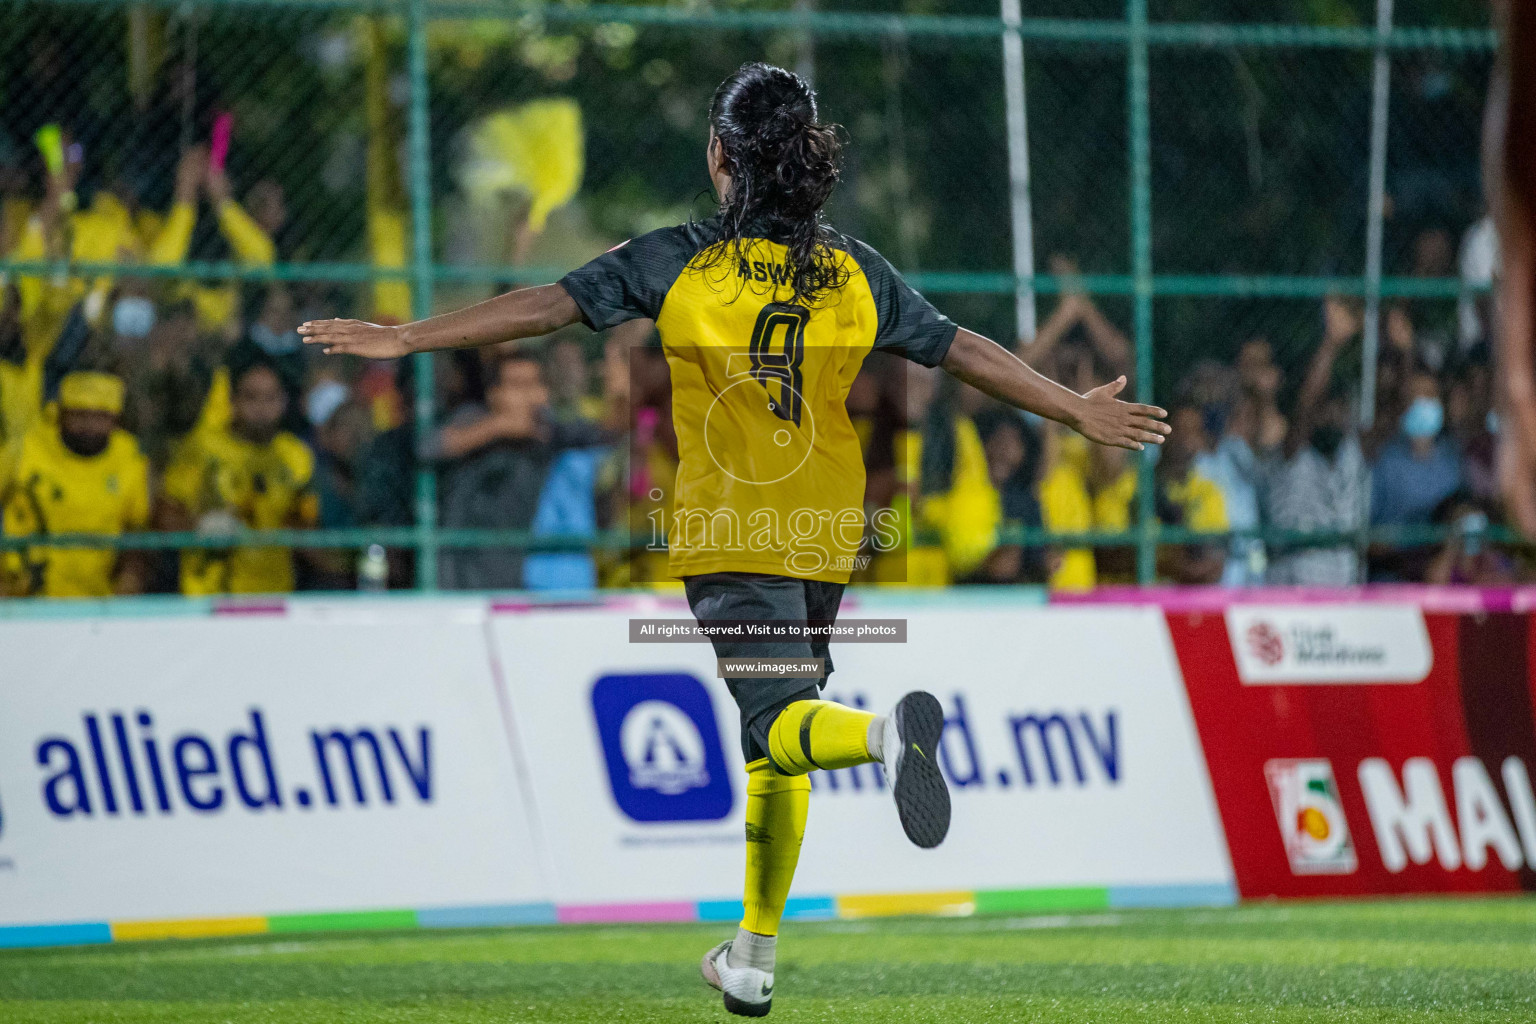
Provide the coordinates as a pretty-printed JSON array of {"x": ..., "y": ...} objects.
[
  {"x": 1104, "y": 419},
  {"x": 354, "y": 338}
]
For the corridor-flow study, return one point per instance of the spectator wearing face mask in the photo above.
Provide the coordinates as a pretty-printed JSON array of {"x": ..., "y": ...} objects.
[
  {"x": 1420, "y": 466},
  {"x": 1415, "y": 471},
  {"x": 133, "y": 316},
  {"x": 82, "y": 474},
  {"x": 251, "y": 474}
]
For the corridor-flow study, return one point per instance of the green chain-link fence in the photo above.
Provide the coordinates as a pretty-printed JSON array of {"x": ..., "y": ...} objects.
[{"x": 1208, "y": 167}]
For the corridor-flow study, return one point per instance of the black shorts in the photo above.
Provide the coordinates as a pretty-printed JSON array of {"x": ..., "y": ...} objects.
[{"x": 758, "y": 597}]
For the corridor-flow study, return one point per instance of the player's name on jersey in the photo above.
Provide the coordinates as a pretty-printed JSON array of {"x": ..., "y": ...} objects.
[{"x": 684, "y": 631}]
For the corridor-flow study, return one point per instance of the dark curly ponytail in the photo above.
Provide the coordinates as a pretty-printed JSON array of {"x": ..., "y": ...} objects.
[{"x": 783, "y": 165}]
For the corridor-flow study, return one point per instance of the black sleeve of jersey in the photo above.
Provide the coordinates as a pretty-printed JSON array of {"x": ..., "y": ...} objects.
[
  {"x": 630, "y": 281},
  {"x": 909, "y": 326}
]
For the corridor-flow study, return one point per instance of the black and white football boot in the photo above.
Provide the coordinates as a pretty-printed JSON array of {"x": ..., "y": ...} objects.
[
  {"x": 748, "y": 991},
  {"x": 911, "y": 748}
]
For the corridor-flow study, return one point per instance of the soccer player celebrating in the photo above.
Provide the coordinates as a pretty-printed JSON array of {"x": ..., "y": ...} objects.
[{"x": 766, "y": 314}]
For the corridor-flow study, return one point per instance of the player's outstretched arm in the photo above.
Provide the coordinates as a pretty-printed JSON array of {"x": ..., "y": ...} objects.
[
  {"x": 1099, "y": 415},
  {"x": 526, "y": 313}
]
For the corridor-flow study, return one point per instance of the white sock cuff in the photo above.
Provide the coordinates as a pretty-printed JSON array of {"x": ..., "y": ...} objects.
[
  {"x": 750, "y": 949},
  {"x": 874, "y": 738}
]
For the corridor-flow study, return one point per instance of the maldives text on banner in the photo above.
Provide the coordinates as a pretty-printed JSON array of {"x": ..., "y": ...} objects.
[{"x": 1368, "y": 749}]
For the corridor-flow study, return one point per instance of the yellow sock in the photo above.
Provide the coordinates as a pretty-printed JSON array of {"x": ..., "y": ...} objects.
[
  {"x": 776, "y": 809},
  {"x": 811, "y": 734}
]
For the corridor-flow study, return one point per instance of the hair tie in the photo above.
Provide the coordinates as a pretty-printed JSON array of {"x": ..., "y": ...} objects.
[{"x": 784, "y": 116}]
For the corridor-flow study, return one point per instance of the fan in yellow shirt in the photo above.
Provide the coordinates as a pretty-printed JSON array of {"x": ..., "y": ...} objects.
[
  {"x": 1076, "y": 497},
  {"x": 250, "y": 474},
  {"x": 1066, "y": 506},
  {"x": 80, "y": 475},
  {"x": 1187, "y": 498},
  {"x": 57, "y": 231},
  {"x": 249, "y": 235}
]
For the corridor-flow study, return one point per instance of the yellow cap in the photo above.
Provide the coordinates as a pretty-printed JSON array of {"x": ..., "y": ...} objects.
[{"x": 92, "y": 392}]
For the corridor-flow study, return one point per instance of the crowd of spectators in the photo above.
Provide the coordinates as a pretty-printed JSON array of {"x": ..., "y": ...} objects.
[
  {"x": 150, "y": 402},
  {"x": 1253, "y": 452}
]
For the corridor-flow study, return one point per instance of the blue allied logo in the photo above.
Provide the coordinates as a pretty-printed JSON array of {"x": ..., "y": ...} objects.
[{"x": 662, "y": 745}]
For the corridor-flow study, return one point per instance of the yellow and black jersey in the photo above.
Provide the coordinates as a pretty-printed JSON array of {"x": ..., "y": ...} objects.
[
  {"x": 268, "y": 486},
  {"x": 770, "y": 476},
  {"x": 53, "y": 491}
]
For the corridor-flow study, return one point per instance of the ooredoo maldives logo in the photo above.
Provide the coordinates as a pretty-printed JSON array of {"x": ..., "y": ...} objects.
[
  {"x": 662, "y": 747},
  {"x": 1266, "y": 643},
  {"x": 1329, "y": 643},
  {"x": 1311, "y": 817}
]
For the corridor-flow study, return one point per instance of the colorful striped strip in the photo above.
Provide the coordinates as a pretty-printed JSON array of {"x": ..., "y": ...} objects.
[
  {"x": 796, "y": 908},
  {"x": 1449, "y": 599},
  {"x": 1196, "y": 894},
  {"x": 81, "y": 934},
  {"x": 801, "y": 908},
  {"x": 487, "y": 917},
  {"x": 1025, "y": 901},
  {"x": 615, "y": 913},
  {"x": 943, "y": 904},
  {"x": 228, "y": 606},
  {"x": 343, "y": 922},
  {"x": 196, "y": 928}
]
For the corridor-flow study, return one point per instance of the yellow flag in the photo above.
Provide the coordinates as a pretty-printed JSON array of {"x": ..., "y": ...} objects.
[{"x": 537, "y": 149}]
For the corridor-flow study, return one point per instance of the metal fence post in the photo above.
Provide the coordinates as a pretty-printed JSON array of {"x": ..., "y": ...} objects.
[
  {"x": 1018, "y": 172},
  {"x": 1141, "y": 270},
  {"x": 1381, "y": 91},
  {"x": 419, "y": 132}
]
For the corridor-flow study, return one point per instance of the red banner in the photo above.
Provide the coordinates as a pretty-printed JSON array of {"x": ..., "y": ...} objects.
[{"x": 1367, "y": 748}]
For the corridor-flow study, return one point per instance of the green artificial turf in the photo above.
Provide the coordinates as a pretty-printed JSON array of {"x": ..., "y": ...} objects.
[{"x": 1424, "y": 960}]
